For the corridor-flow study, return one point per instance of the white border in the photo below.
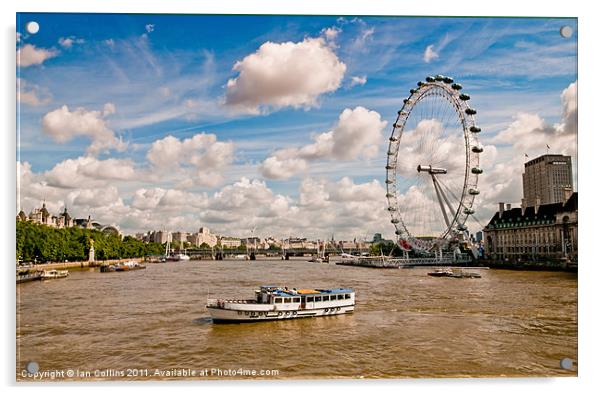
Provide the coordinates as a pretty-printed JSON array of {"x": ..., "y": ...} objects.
[{"x": 589, "y": 148}]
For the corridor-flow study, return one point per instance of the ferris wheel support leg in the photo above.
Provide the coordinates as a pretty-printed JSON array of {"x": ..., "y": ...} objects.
[
  {"x": 440, "y": 199},
  {"x": 451, "y": 208}
]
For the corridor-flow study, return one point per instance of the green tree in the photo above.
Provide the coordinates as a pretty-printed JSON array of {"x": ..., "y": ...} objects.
[{"x": 42, "y": 243}]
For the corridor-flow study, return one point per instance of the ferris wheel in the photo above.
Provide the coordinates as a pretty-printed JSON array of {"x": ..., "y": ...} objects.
[{"x": 433, "y": 165}]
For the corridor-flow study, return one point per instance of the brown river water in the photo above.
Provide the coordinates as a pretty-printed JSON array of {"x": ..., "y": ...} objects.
[{"x": 152, "y": 324}]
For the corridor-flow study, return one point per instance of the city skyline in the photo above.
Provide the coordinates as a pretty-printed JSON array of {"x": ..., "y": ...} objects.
[{"x": 149, "y": 127}]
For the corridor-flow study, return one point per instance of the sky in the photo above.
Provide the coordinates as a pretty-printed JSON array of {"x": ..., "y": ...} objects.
[{"x": 276, "y": 125}]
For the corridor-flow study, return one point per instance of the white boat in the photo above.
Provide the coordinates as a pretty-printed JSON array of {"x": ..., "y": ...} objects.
[
  {"x": 50, "y": 274},
  {"x": 320, "y": 256},
  {"x": 178, "y": 257},
  {"x": 281, "y": 303}
]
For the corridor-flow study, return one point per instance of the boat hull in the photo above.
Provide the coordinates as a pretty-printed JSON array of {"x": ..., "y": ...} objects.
[{"x": 219, "y": 315}]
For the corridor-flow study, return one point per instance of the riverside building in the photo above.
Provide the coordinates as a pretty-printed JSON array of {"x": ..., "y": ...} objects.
[{"x": 531, "y": 233}]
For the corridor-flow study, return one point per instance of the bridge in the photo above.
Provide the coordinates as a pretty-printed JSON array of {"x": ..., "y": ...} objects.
[{"x": 216, "y": 253}]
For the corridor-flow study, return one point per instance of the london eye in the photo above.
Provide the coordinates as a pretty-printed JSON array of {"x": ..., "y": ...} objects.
[{"x": 432, "y": 166}]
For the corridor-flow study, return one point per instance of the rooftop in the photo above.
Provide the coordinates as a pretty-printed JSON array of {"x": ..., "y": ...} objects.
[{"x": 545, "y": 215}]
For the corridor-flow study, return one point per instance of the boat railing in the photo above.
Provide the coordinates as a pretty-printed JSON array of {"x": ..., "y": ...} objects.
[{"x": 222, "y": 302}]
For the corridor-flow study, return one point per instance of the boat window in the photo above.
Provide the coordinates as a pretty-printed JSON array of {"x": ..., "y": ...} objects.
[
  {"x": 340, "y": 296},
  {"x": 278, "y": 300},
  {"x": 347, "y": 296},
  {"x": 310, "y": 298},
  {"x": 333, "y": 297},
  {"x": 287, "y": 300},
  {"x": 296, "y": 300},
  {"x": 318, "y": 299}
]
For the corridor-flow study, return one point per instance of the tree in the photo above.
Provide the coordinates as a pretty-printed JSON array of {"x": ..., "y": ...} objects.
[{"x": 41, "y": 243}]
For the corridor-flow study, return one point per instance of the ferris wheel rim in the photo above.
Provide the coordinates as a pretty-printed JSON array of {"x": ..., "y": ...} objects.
[{"x": 450, "y": 91}]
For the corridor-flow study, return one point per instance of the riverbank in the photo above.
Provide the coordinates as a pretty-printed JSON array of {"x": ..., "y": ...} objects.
[
  {"x": 531, "y": 265},
  {"x": 80, "y": 264}
]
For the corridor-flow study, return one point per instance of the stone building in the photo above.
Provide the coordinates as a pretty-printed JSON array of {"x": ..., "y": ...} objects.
[
  {"x": 180, "y": 237},
  {"x": 229, "y": 242},
  {"x": 161, "y": 236},
  {"x": 540, "y": 231},
  {"x": 203, "y": 236},
  {"x": 43, "y": 217}
]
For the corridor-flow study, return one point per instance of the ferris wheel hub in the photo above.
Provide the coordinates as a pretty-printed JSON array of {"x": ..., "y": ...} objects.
[{"x": 431, "y": 170}]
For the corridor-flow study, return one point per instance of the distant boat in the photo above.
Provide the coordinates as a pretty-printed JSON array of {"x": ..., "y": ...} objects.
[
  {"x": 122, "y": 267},
  {"x": 281, "y": 303},
  {"x": 320, "y": 254},
  {"x": 52, "y": 274},
  {"x": 455, "y": 273},
  {"x": 178, "y": 257},
  {"x": 26, "y": 275}
]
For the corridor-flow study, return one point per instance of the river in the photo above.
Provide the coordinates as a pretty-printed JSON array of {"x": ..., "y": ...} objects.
[{"x": 149, "y": 324}]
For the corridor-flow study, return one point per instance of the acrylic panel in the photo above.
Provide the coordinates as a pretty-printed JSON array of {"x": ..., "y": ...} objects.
[{"x": 257, "y": 197}]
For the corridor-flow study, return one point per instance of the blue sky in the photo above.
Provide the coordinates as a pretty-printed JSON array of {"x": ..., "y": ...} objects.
[{"x": 168, "y": 75}]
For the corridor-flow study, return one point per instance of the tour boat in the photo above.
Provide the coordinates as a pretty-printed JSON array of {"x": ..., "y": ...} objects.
[
  {"x": 280, "y": 303},
  {"x": 50, "y": 274}
]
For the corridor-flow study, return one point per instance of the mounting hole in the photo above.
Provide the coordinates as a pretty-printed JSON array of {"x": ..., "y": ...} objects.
[
  {"x": 566, "y": 31},
  {"x": 32, "y": 27},
  {"x": 566, "y": 363},
  {"x": 32, "y": 367}
]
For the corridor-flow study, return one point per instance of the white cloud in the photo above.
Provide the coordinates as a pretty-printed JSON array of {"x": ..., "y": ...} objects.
[
  {"x": 331, "y": 33},
  {"x": 31, "y": 94},
  {"x": 201, "y": 153},
  {"x": 168, "y": 200},
  {"x": 359, "y": 80},
  {"x": 87, "y": 171},
  {"x": 359, "y": 44},
  {"x": 149, "y": 28},
  {"x": 322, "y": 208},
  {"x": 29, "y": 55},
  {"x": 165, "y": 91},
  {"x": 108, "y": 195},
  {"x": 430, "y": 54},
  {"x": 285, "y": 74},
  {"x": 67, "y": 42},
  {"x": 63, "y": 125},
  {"x": 357, "y": 134},
  {"x": 531, "y": 134},
  {"x": 279, "y": 167},
  {"x": 569, "y": 110},
  {"x": 109, "y": 42}
]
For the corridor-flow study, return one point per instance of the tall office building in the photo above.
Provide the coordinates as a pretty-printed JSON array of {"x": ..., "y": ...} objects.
[{"x": 549, "y": 178}]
